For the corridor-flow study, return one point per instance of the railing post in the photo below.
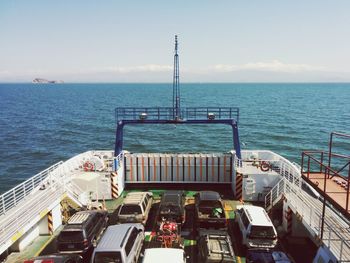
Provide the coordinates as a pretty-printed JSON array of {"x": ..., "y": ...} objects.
[
  {"x": 321, "y": 164},
  {"x": 329, "y": 236},
  {"x": 14, "y": 197},
  {"x": 308, "y": 167},
  {"x": 302, "y": 163},
  {"x": 3, "y": 204},
  {"x": 341, "y": 250}
]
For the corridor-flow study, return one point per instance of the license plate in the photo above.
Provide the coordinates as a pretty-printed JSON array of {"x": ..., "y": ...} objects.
[{"x": 70, "y": 246}]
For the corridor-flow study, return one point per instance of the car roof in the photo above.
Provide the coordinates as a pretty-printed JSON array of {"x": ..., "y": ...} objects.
[
  {"x": 256, "y": 215},
  {"x": 114, "y": 236},
  {"x": 209, "y": 195},
  {"x": 266, "y": 255},
  {"x": 172, "y": 255},
  {"x": 83, "y": 216},
  {"x": 172, "y": 197},
  {"x": 135, "y": 197}
]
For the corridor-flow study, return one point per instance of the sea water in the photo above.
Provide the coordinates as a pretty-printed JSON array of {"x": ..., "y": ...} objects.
[{"x": 41, "y": 124}]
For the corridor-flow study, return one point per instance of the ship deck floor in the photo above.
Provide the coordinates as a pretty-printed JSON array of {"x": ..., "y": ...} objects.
[
  {"x": 334, "y": 188},
  {"x": 188, "y": 232}
]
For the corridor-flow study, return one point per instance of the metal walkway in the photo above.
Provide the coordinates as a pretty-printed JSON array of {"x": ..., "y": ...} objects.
[{"x": 308, "y": 209}]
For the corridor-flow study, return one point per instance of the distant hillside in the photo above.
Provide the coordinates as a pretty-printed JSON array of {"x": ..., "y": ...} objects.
[{"x": 39, "y": 80}]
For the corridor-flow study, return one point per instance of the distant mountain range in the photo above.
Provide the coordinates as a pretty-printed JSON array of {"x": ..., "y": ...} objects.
[{"x": 39, "y": 80}]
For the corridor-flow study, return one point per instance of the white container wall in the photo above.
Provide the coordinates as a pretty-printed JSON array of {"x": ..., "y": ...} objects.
[{"x": 179, "y": 168}]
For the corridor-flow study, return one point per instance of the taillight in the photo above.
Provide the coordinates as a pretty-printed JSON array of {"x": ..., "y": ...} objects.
[
  {"x": 85, "y": 242},
  {"x": 48, "y": 261},
  {"x": 28, "y": 261}
]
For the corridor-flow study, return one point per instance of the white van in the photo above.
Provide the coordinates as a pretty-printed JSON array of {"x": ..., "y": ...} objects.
[{"x": 256, "y": 227}]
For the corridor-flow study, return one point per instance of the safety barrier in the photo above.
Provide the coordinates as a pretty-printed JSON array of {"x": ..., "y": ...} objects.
[{"x": 13, "y": 197}]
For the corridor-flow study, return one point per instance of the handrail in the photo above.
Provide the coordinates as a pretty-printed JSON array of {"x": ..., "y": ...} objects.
[
  {"x": 12, "y": 197},
  {"x": 327, "y": 152},
  {"x": 322, "y": 165},
  {"x": 169, "y": 113}
]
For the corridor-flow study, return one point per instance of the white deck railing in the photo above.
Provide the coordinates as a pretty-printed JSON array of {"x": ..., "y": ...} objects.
[
  {"x": 308, "y": 209},
  {"x": 22, "y": 206},
  {"x": 11, "y": 198}
]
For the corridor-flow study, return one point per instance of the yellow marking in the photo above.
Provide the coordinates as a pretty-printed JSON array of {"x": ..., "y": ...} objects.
[
  {"x": 44, "y": 212},
  {"x": 43, "y": 246},
  {"x": 17, "y": 235},
  {"x": 227, "y": 207}
]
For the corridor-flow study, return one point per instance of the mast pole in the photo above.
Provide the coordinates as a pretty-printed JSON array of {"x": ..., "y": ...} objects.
[{"x": 176, "y": 84}]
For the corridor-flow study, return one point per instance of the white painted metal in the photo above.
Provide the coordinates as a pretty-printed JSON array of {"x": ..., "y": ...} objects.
[
  {"x": 13, "y": 197},
  {"x": 306, "y": 207},
  {"x": 23, "y": 206},
  {"x": 179, "y": 168}
]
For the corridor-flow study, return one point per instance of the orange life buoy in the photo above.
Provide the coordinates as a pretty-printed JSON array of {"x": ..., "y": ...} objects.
[
  {"x": 88, "y": 166},
  {"x": 265, "y": 166}
]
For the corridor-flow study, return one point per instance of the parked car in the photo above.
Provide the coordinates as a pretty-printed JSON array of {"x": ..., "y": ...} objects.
[
  {"x": 170, "y": 255},
  {"x": 120, "y": 243},
  {"x": 135, "y": 207},
  {"x": 266, "y": 256},
  {"x": 256, "y": 227},
  {"x": 82, "y": 231},
  {"x": 172, "y": 207},
  {"x": 215, "y": 246},
  {"x": 209, "y": 210},
  {"x": 56, "y": 258}
]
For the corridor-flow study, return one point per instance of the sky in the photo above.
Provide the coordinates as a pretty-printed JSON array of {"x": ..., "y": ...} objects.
[{"x": 133, "y": 41}]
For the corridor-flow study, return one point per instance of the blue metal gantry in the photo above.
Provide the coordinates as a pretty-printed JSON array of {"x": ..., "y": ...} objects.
[{"x": 176, "y": 114}]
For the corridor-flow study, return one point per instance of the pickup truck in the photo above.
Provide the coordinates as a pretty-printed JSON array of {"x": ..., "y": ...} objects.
[{"x": 209, "y": 211}]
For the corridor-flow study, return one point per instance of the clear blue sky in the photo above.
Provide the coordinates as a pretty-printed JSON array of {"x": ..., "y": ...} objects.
[{"x": 117, "y": 41}]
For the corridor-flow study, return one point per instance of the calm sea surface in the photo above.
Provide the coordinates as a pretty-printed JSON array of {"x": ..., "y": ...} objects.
[{"x": 43, "y": 124}]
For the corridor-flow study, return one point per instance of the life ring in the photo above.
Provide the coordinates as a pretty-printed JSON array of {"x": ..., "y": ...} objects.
[
  {"x": 88, "y": 166},
  {"x": 265, "y": 166}
]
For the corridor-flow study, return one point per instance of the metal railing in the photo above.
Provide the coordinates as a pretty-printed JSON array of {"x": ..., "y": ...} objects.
[
  {"x": 22, "y": 206},
  {"x": 309, "y": 210},
  {"x": 336, "y": 235},
  {"x": 13, "y": 197},
  {"x": 118, "y": 161},
  {"x": 22, "y": 217},
  {"x": 169, "y": 113}
]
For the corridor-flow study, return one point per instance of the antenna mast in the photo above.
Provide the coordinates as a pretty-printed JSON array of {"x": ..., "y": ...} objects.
[{"x": 176, "y": 85}]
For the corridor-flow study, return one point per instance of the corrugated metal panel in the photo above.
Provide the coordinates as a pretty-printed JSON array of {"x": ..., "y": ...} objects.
[{"x": 167, "y": 168}]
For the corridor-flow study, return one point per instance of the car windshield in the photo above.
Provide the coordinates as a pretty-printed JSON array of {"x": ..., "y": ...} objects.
[
  {"x": 208, "y": 205},
  {"x": 262, "y": 232},
  {"x": 130, "y": 209},
  {"x": 260, "y": 256},
  {"x": 108, "y": 257},
  {"x": 169, "y": 209},
  {"x": 71, "y": 236}
]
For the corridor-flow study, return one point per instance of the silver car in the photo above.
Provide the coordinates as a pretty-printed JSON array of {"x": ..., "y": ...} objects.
[
  {"x": 120, "y": 243},
  {"x": 135, "y": 207}
]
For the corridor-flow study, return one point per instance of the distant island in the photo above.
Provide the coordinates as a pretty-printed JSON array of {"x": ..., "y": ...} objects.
[{"x": 38, "y": 80}]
